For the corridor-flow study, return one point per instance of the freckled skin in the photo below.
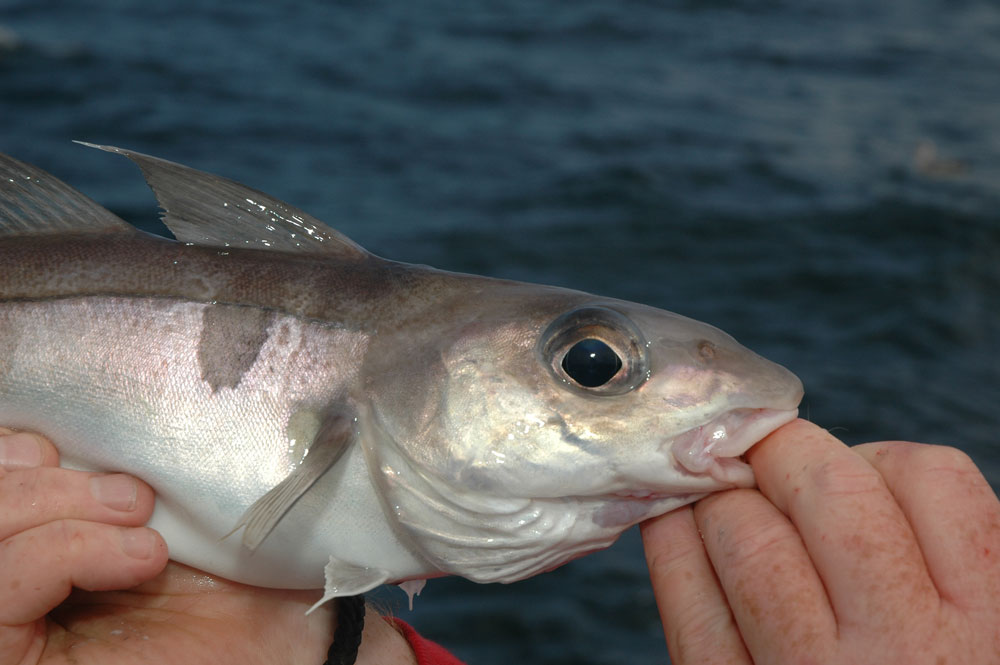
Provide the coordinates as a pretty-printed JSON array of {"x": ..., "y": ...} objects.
[{"x": 873, "y": 554}]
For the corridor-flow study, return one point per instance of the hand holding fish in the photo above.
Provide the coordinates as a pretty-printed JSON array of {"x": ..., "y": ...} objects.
[
  {"x": 280, "y": 387},
  {"x": 61, "y": 529},
  {"x": 886, "y": 552}
]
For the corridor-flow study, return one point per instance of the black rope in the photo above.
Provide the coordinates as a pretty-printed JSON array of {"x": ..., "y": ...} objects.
[{"x": 347, "y": 637}]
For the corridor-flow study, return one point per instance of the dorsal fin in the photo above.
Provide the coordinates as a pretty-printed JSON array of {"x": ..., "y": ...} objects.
[
  {"x": 33, "y": 202},
  {"x": 206, "y": 209}
]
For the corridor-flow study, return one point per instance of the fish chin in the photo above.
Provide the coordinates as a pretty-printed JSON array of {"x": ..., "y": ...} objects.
[
  {"x": 714, "y": 448},
  {"x": 625, "y": 509}
]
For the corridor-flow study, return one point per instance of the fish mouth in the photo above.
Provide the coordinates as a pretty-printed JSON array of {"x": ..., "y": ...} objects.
[
  {"x": 710, "y": 452},
  {"x": 714, "y": 449}
]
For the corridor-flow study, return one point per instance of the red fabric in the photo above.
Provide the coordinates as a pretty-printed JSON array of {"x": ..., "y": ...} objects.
[{"x": 427, "y": 652}]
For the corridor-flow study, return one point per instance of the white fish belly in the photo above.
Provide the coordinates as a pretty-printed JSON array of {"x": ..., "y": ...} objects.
[{"x": 212, "y": 417}]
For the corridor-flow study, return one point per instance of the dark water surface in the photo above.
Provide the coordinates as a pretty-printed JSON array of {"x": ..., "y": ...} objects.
[{"x": 820, "y": 179}]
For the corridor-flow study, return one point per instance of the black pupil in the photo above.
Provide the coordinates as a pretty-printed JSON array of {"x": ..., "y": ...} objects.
[{"x": 591, "y": 363}]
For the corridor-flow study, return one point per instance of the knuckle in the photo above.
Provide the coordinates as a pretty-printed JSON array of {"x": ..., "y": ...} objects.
[
  {"x": 700, "y": 631},
  {"x": 922, "y": 456},
  {"x": 752, "y": 547},
  {"x": 747, "y": 541},
  {"x": 18, "y": 487},
  {"x": 942, "y": 458},
  {"x": 845, "y": 475},
  {"x": 664, "y": 564},
  {"x": 907, "y": 462},
  {"x": 71, "y": 541}
]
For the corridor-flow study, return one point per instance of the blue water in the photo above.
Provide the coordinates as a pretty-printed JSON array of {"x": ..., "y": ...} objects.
[{"x": 820, "y": 179}]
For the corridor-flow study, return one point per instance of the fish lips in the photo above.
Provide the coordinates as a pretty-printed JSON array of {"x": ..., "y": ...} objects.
[
  {"x": 714, "y": 449},
  {"x": 708, "y": 458}
]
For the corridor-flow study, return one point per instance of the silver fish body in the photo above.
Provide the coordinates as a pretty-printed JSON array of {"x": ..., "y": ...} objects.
[{"x": 355, "y": 420}]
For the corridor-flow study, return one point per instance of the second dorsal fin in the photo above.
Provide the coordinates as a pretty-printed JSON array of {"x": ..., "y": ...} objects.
[{"x": 205, "y": 209}]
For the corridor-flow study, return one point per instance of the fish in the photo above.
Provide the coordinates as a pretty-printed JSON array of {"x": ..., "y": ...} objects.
[{"x": 311, "y": 415}]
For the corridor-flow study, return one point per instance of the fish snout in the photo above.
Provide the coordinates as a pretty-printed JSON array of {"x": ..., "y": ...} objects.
[{"x": 753, "y": 382}]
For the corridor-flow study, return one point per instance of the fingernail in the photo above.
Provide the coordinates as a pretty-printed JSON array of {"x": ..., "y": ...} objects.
[
  {"x": 116, "y": 491},
  {"x": 20, "y": 451},
  {"x": 139, "y": 543}
]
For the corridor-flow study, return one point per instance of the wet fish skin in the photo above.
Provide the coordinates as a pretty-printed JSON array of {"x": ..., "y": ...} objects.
[{"x": 360, "y": 420}]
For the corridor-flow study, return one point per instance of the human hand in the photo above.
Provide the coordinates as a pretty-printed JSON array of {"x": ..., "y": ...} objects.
[
  {"x": 883, "y": 553},
  {"x": 55, "y": 534}
]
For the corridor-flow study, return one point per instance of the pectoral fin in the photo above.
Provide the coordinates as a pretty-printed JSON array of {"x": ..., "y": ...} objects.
[{"x": 330, "y": 443}]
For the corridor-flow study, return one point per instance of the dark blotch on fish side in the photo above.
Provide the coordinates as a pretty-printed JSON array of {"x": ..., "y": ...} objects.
[{"x": 231, "y": 340}]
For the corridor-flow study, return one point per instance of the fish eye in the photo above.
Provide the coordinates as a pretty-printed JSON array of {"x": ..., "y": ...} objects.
[
  {"x": 595, "y": 350},
  {"x": 591, "y": 363}
]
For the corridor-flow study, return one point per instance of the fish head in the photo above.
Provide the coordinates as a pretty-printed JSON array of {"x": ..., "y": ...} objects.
[{"x": 551, "y": 424}]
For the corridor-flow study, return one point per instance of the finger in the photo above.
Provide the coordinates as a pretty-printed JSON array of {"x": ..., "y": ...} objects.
[
  {"x": 43, "y": 564},
  {"x": 697, "y": 622},
  {"x": 31, "y": 497},
  {"x": 23, "y": 450},
  {"x": 953, "y": 511},
  {"x": 775, "y": 593},
  {"x": 853, "y": 529}
]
